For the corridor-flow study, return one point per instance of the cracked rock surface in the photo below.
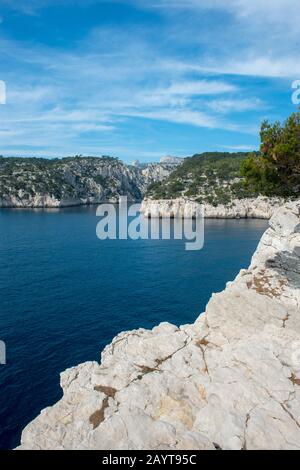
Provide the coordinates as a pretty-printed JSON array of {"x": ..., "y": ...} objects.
[{"x": 231, "y": 380}]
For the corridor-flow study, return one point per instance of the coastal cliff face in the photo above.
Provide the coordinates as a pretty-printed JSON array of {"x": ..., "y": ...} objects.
[
  {"x": 259, "y": 208},
  {"x": 156, "y": 172},
  {"x": 32, "y": 182},
  {"x": 231, "y": 380}
]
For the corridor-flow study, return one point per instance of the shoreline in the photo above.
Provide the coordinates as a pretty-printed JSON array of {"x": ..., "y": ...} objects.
[
  {"x": 254, "y": 208},
  {"x": 251, "y": 208},
  {"x": 66, "y": 206}
]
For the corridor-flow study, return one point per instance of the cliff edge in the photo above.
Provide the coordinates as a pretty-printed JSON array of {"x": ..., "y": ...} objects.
[{"x": 231, "y": 380}]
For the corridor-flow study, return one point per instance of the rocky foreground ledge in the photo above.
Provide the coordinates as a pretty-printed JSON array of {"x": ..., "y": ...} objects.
[
  {"x": 231, "y": 380},
  {"x": 256, "y": 208}
]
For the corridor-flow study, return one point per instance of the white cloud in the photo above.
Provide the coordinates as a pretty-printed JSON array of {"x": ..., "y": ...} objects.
[
  {"x": 88, "y": 127},
  {"x": 284, "y": 67},
  {"x": 235, "y": 105},
  {"x": 166, "y": 74},
  {"x": 180, "y": 94},
  {"x": 203, "y": 87},
  {"x": 281, "y": 11},
  {"x": 192, "y": 118},
  {"x": 180, "y": 116},
  {"x": 94, "y": 91},
  {"x": 255, "y": 38},
  {"x": 30, "y": 94}
]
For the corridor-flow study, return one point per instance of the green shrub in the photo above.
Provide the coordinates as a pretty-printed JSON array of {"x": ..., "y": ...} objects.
[{"x": 276, "y": 170}]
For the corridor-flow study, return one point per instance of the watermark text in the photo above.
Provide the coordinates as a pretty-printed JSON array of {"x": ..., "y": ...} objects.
[
  {"x": 2, "y": 353},
  {"x": 296, "y": 93},
  {"x": 130, "y": 223},
  {"x": 2, "y": 92}
]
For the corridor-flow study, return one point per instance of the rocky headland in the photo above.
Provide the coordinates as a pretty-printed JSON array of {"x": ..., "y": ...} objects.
[{"x": 231, "y": 380}]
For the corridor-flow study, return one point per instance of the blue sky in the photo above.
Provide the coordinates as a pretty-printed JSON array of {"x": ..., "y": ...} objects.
[{"x": 144, "y": 78}]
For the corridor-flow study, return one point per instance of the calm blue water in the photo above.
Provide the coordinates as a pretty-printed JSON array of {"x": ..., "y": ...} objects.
[{"x": 64, "y": 295}]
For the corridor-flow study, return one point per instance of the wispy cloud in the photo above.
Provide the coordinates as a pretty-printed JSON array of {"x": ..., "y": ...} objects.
[
  {"x": 264, "y": 11},
  {"x": 236, "y": 105},
  {"x": 185, "y": 69},
  {"x": 203, "y": 87},
  {"x": 95, "y": 91}
]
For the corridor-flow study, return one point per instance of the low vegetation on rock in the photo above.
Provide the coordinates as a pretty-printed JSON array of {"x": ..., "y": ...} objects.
[{"x": 214, "y": 178}]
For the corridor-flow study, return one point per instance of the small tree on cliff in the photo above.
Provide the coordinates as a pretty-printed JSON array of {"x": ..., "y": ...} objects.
[{"x": 276, "y": 170}]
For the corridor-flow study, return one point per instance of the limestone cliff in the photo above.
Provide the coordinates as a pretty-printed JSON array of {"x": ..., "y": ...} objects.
[
  {"x": 230, "y": 380},
  {"x": 38, "y": 182},
  {"x": 259, "y": 208}
]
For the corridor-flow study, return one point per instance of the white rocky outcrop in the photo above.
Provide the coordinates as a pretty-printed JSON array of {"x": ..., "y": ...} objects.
[
  {"x": 259, "y": 208},
  {"x": 230, "y": 380}
]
